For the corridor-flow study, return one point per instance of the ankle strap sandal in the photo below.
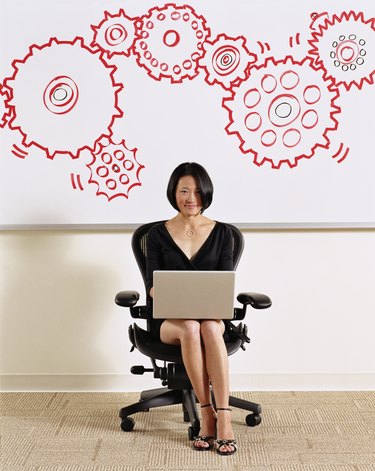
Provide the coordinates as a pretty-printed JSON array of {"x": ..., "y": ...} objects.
[
  {"x": 207, "y": 439},
  {"x": 231, "y": 443}
]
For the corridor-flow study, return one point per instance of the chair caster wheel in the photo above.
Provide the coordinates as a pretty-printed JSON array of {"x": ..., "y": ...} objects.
[
  {"x": 193, "y": 432},
  {"x": 127, "y": 424},
  {"x": 252, "y": 420}
]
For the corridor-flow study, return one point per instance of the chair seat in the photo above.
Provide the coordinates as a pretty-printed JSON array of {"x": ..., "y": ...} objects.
[{"x": 147, "y": 344}]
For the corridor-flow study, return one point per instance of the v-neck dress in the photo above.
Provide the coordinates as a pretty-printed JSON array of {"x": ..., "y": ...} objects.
[{"x": 163, "y": 253}]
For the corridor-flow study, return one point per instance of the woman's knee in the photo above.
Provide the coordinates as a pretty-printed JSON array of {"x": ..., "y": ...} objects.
[
  {"x": 176, "y": 331},
  {"x": 190, "y": 330},
  {"x": 212, "y": 330}
]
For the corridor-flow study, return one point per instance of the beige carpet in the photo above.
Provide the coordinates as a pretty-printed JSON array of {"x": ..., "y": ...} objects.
[{"x": 301, "y": 431}]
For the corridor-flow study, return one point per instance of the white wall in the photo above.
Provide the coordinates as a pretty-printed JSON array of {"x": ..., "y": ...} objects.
[{"x": 60, "y": 328}]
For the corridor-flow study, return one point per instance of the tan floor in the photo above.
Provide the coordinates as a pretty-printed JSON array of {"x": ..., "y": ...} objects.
[{"x": 300, "y": 431}]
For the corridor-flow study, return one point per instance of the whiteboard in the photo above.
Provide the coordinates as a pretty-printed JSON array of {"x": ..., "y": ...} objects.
[{"x": 100, "y": 101}]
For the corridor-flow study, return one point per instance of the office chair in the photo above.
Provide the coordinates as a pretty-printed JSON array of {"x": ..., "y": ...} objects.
[{"x": 177, "y": 387}]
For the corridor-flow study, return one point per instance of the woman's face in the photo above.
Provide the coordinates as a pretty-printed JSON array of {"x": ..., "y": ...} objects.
[{"x": 188, "y": 196}]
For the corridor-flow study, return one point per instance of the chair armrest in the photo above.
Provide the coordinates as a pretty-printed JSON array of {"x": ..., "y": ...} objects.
[
  {"x": 256, "y": 300},
  {"x": 127, "y": 298}
]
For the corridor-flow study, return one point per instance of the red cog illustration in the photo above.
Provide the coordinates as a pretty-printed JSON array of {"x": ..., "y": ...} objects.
[
  {"x": 4, "y": 109},
  {"x": 115, "y": 34},
  {"x": 170, "y": 42},
  {"x": 344, "y": 47},
  {"x": 53, "y": 99},
  {"x": 318, "y": 18},
  {"x": 115, "y": 170},
  {"x": 226, "y": 61},
  {"x": 283, "y": 111}
]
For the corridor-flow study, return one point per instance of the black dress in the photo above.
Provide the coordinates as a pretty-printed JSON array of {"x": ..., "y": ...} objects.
[{"x": 163, "y": 253}]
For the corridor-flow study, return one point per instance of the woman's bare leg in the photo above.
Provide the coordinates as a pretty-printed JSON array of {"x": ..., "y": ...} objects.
[
  {"x": 216, "y": 360},
  {"x": 187, "y": 334}
]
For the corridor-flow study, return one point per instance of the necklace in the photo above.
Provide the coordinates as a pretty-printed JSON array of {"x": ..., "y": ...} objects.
[{"x": 190, "y": 231}]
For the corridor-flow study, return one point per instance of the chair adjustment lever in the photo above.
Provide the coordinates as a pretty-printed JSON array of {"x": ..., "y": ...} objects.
[{"x": 140, "y": 370}]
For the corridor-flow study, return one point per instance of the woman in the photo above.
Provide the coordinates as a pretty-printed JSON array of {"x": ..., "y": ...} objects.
[{"x": 191, "y": 241}]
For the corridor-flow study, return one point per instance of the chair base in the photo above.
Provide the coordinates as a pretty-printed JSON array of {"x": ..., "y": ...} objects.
[{"x": 166, "y": 397}]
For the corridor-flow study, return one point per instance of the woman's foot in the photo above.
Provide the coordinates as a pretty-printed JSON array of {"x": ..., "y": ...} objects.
[
  {"x": 225, "y": 443},
  {"x": 205, "y": 440}
]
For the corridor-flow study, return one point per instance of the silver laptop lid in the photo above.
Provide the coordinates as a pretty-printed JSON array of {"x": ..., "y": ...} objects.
[{"x": 193, "y": 294}]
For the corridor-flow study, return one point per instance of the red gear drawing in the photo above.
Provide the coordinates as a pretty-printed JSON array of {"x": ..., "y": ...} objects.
[
  {"x": 115, "y": 34},
  {"x": 52, "y": 97},
  {"x": 226, "y": 61},
  {"x": 282, "y": 112},
  {"x": 317, "y": 18},
  {"x": 343, "y": 46},
  {"x": 114, "y": 169},
  {"x": 4, "y": 109},
  {"x": 170, "y": 42}
]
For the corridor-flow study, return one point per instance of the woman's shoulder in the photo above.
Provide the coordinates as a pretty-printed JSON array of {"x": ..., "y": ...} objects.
[
  {"x": 223, "y": 227},
  {"x": 157, "y": 225},
  {"x": 157, "y": 229},
  {"x": 221, "y": 232}
]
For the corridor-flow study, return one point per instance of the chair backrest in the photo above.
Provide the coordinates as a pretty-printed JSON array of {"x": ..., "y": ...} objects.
[{"x": 139, "y": 245}]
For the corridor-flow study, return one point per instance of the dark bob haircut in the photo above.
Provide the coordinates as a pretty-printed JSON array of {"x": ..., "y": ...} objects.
[{"x": 202, "y": 178}]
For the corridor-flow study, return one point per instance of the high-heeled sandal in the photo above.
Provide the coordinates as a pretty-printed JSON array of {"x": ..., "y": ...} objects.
[
  {"x": 210, "y": 440},
  {"x": 230, "y": 443}
]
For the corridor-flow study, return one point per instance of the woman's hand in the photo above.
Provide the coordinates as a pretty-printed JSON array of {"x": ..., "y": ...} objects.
[{"x": 151, "y": 293}]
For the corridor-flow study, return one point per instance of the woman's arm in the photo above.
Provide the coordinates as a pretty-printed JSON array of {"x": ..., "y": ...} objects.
[
  {"x": 152, "y": 260},
  {"x": 226, "y": 258}
]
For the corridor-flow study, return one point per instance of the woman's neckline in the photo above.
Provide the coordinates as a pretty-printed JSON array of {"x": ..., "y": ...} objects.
[{"x": 200, "y": 248}]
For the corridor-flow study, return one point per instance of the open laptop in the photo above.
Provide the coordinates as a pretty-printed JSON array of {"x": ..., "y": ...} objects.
[{"x": 193, "y": 294}]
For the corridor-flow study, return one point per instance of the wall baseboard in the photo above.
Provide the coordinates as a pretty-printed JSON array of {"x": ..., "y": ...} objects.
[{"x": 239, "y": 382}]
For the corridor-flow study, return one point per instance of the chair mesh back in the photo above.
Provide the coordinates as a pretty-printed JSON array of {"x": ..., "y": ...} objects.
[{"x": 139, "y": 245}]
